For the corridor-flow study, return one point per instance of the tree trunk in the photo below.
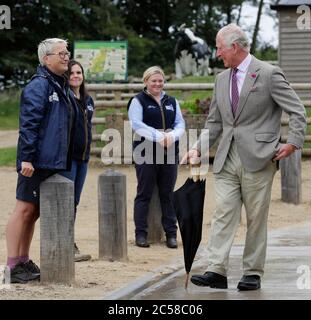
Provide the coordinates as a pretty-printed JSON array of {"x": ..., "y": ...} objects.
[
  {"x": 253, "y": 46},
  {"x": 239, "y": 15},
  {"x": 228, "y": 11}
]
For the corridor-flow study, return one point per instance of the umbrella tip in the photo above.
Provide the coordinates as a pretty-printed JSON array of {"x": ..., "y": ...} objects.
[{"x": 187, "y": 280}]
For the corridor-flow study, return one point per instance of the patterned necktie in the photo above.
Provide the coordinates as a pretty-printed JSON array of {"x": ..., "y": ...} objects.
[{"x": 234, "y": 91}]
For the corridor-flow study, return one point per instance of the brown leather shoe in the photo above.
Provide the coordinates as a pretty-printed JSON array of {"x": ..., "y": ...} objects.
[{"x": 80, "y": 256}]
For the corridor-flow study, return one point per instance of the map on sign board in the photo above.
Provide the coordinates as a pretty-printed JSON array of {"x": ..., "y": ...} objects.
[{"x": 102, "y": 60}]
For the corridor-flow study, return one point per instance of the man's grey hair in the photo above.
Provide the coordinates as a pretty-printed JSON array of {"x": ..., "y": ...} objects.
[
  {"x": 232, "y": 33},
  {"x": 46, "y": 47}
]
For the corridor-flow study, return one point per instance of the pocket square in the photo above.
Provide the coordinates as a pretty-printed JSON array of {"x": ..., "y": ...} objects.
[{"x": 253, "y": 89}]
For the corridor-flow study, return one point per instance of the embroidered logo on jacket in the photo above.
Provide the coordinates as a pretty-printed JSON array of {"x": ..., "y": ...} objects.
[
  {"x": 169, "y": 107},
  {"x": 151, "y": 107},
  {"x": 53, "y": 97},
  {"x": 90, "y": 107}
]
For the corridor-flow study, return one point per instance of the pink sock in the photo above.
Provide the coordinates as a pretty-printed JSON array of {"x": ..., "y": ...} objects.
[
  {"x": 24, "y": 259},
  {"x": 12, "y": 262}
]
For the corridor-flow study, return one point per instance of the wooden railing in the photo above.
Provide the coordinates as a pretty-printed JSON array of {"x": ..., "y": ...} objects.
[{"x": 117, "y": 95}]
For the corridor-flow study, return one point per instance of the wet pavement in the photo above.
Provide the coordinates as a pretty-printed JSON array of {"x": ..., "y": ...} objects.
[{"x": 287, "y": 274}]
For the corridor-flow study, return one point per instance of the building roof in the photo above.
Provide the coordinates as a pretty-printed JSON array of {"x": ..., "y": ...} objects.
[{"x": 290, "y": 3}]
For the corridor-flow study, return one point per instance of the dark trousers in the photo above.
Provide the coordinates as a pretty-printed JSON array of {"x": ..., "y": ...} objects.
[{"x": 148, "y": 175}]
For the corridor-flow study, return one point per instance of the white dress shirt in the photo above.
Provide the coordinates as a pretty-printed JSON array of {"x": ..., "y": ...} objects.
[
  {"x": 135, "y": 115},
  {"x": 241, "y": 74}
]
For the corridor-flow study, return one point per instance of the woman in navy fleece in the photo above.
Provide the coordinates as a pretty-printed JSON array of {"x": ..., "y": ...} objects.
[{"x": 157, "y": 121}]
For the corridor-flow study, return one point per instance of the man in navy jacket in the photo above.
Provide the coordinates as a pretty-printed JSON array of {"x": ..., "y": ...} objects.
[{"x": 46, "y": 127}]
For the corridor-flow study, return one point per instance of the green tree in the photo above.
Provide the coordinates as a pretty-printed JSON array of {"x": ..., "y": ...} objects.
[
  {"x": 154, "y": 20},
  {"x": 32, "y": 21},
  {"x": 256, "y": 29},
  {"x": 228, "y": 7},
  {"x": 147, "y": 26},
  {"x": 267, "y": 52},
  {"x": 35, "y": 20}
]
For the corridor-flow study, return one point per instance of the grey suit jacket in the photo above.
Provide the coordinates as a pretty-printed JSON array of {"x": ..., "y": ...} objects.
[{"x": 256, "y": 126}]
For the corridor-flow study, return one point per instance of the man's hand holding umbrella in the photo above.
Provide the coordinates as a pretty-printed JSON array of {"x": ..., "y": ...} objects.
[{"x": 193, "y": 156}]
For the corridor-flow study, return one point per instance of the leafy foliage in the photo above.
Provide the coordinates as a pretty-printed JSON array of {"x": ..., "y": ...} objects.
[
  {"x": 9, "y": 109},
  {"x": 149, "y": 26},
  {"x": 33, "y": 21},
  {"x": 267, "y": 52},
  {"x": 8, "y": 156}
]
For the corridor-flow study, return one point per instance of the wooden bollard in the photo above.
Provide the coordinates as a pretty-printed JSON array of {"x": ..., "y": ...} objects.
[
  {"x": 291, "y": 178},
  {"x": 57, "y": 230},
  {"x": 155, "y": 230},
  {"x": 112, "y": 220}
]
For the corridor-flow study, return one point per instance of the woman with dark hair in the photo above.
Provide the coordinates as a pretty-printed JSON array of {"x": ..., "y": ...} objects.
[{"x": 82, "y": 139}]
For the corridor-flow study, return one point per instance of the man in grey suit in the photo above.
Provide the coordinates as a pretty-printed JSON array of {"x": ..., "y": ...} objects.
[{"x": 246, "y": 109}]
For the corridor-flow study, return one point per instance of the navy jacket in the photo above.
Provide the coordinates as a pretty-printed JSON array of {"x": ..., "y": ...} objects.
[
  {"x": 46, "y": 123},
  {"x": 83, "y": 132}
]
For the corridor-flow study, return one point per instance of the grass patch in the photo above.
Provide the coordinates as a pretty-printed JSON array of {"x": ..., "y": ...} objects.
[
  {"x": 187, "y": 98},
  {"x": 193, "y": 79},
  {"x": 9, "y": 109},
  {"x": 109, "y": 111},
  {"x": 8, "y": 156}
]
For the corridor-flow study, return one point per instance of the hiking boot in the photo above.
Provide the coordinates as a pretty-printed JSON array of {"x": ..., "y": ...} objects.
[
  {"x": 80, "y": 256},
  {"x": 32, "y": 267},
  {"x": 171, "y": 243},
  {"x": 76, "y": 249},
  {"x": 141, "y": 241},
  {"x": 19, "y": 274}
]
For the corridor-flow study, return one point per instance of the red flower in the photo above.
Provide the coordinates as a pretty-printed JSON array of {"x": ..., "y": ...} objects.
[{"x": 253, "y": 75}]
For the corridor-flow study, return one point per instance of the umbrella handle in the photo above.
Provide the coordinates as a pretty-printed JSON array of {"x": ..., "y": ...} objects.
[{"x": 195, "y": 167}]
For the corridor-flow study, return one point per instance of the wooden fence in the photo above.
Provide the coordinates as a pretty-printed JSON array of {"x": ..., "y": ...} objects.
[{"x": 116, "y": 96}]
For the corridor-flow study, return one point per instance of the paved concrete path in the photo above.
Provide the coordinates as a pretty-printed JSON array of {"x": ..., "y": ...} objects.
[
  {"x": 8, "y": 138},
  {"x": 288, "y": 250}
]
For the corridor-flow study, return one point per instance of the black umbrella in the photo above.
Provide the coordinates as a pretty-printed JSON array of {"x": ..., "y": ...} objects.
[{"x": 189, "y": 203}]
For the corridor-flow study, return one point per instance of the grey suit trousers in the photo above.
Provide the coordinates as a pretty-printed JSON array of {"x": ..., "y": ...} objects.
[{"x": 234, "y": 186}]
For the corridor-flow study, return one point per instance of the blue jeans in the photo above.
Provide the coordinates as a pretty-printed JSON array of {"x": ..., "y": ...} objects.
[{"x": 77, "y": 175}]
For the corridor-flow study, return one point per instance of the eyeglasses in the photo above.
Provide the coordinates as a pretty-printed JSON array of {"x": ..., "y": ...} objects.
[{"x": 61, "y": 54}]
